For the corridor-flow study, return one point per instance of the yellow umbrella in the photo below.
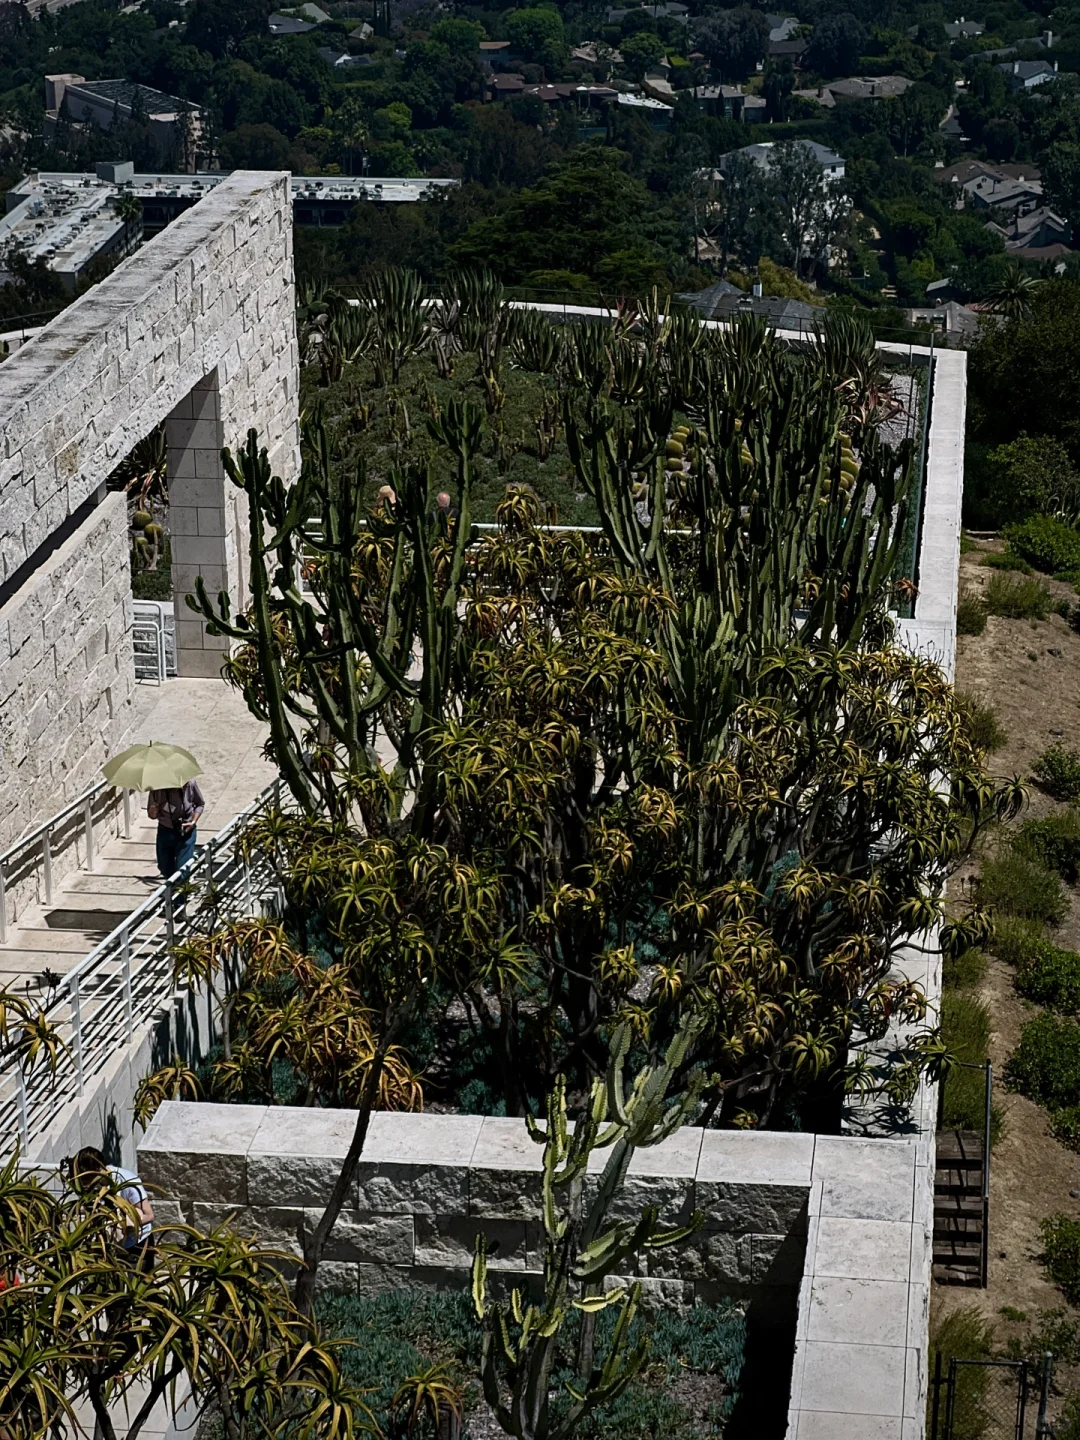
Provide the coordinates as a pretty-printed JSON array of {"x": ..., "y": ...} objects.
[{"x": 151, "y": 767}]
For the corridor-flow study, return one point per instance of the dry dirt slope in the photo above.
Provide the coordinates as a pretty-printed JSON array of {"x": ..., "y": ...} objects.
[{"x": 1030, "y": 672}]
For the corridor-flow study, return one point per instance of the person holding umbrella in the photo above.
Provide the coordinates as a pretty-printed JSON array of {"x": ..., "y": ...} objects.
[{"x": 175, "y": 800}]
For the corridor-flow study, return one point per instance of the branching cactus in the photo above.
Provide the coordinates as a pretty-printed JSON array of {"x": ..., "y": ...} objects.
[{"x": 583, "y": 1248}]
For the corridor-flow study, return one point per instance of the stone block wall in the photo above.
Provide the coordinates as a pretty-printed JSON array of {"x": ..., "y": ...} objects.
[
  {"x": 67, "y": 676},
  {"x": 428, "y": 1184},
  {"x": 210, "y": 299}
]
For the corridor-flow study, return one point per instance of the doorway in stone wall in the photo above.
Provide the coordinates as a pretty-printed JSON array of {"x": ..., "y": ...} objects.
[{"x": 143, "y": 477}]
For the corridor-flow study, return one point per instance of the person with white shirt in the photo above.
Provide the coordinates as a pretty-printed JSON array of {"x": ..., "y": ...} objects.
[{"x": 90, "y": 1169}]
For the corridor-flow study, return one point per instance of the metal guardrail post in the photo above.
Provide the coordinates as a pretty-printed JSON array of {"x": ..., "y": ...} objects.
[
  {"x": 76, "y": 1030},
  {"x": 88, "y": 822},
  {"x": 129, "y": 1008},
  {"x": 127, "y": 813},
  {"x": 46, "y": 858},
  {"x": 3, "y": 906},
  {"x": 987, "y": 1119},
  {"x": 24, "y": 1118},
  {"x": 170, "y": 923}
]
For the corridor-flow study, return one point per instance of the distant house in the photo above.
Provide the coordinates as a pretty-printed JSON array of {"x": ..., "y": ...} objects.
[
  {"x": 832, "y": 165},
  {"x": 289, "y": 25},
  {"x": 1039, "y": 229},
  {"x": 496, "y": 54},
  {"x": 792, "y": 50},
  {"x": 1002, "y": 192},
  {"x": 342, "y": 60},
  {"x": 857, "y": 87},
  {"x": 965, "y": 29},
  {"x": 672, "y": 10},
  {"x": 723, "y": 301},
  {"x": 781, "y": 27},
  {"x": 955, "y": 322},
  {"x": 1027, "y": 74},
  {"x": 966, "y": 170}
]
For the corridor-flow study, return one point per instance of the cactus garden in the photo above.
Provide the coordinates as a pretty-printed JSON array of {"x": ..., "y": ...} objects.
[{"x": 616, "y": 829}]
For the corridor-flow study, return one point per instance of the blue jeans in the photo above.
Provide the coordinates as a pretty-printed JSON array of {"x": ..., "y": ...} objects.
[{"x": 174, "y": 849}]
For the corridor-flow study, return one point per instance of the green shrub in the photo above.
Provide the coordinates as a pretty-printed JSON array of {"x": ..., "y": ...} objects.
[
  {"x": 1065, "y": 1126},
  {"x": 1030, "y": 474},
  {"x": 1068, "y": 1423},
  {"x": 1051, "y": 977},
  {"x": 1055, "y": 841},
  {"x": 1045, "y": 1066},
  {"x": 399, "y": 1333},
  {"x": 1057, "y": 771},
  {"x": 970, "y": 614},
  {"x": 1014, "y": 884},
  {"x": 964, "y": 1335},
  {"x": 981, "y": 723},
  {"x": 1006, "y": 560},
  {"x": 1061, "y": 1254},
  {"x": 965, "y": 1028},
  {"x": 1021, "y": 598},
  {"x": 1049, "y": 544},
  {"x": 963, "y": 972},
  {"x": 1016, "y": 940}
]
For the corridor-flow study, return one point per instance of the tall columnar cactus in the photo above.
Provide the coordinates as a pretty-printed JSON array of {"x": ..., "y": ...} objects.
[
  {"x": 583, "y": 1249},
  {"x": 354, "y": 646}
]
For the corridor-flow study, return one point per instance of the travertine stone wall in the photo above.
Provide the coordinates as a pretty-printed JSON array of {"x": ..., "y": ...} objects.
[
  {"x": 429, "y": 1183},
  {"x": 207, "y": 305},
  {"x": 196, "y": 329},
  {"x": 66, "y": 674}
]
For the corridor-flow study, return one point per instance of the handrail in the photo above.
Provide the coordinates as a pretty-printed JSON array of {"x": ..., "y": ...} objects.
[
  {"x": 42, "y": 835},
  {"x": 126, "y": 980}
]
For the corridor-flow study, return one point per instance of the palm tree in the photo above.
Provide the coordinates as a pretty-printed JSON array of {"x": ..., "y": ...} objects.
[{"x": 1013, "y": 293}]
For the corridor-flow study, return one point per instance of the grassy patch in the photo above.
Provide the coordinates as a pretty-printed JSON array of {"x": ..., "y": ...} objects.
[
  {"x": 964, "y": 1335},
  {"x": 982, "y": 723},
  {"x": 1006, "y": 560},
  {"x": 970, "y": 614},
  {"x": 965, "y": 1028},
  {"x": 1017, "y": 598},
  {"x": 963, "y": 972},
  {"x": 1013, "y": 883}
]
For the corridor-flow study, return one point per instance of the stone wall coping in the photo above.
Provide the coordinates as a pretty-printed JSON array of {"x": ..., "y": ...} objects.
[{"x": 863, "y": 1179}]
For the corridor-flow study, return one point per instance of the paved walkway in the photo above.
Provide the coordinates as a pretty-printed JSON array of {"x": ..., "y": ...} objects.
[{"x": 211, "y": 720}]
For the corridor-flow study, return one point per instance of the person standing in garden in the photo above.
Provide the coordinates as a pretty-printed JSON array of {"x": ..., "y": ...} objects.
[{"x": 177, "y": 814}]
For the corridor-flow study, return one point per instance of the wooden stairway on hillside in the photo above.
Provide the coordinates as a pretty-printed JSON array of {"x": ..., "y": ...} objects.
[{"x": 959, "y": 1212}]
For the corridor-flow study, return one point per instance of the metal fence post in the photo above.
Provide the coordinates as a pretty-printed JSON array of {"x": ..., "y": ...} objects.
[
  {"x": 88, "y": 822},
  {"x": 936, "y": 1382},
  {"x": 3, "y": 907},
  {"x": 76, "y": 1030},
  {"x": 950, "y": 1399},
  {"x": 984, "y": 1268},
  {"x": 46, "y": 858},
  {"x": 129, "y": 1008},
  {"x": 24, "y": 1118},
  {"x": 1042, "y": 1427},
  {"x": 170, "y": 924}
]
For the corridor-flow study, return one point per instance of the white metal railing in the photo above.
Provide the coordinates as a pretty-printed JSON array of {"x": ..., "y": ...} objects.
[
  {"x": 150, "y": 637},
  {"x": 126, "y": 981},
  {"x": 36, "y": 847}
]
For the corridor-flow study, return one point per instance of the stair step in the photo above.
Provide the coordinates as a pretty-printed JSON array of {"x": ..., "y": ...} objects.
[
  {"x": 968, "y": 1207},
  {"x": 963, "y": 1146},
  {"x": 945, "y": 1227},
  {"x": 956, "y": 1249},
  {"x": 957, "y": 1275}
]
